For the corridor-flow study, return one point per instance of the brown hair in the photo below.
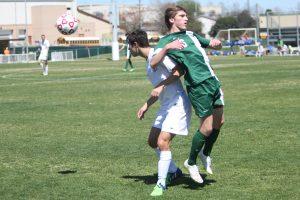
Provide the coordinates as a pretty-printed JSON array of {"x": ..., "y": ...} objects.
[
  {"x": 170, "y": 13},
  {"x": 139, "y": 36}
]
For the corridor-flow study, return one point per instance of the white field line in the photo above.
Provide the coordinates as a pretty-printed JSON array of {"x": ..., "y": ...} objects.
[{"x": 103, "y": 77}]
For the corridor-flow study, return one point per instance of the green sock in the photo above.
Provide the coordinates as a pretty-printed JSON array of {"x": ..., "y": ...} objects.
[
  {"x": 126, "y": 65},
  {"x": 209, "y": 143},
  {"x": 130, "y": 63},
  {"x": 197, "y": 144}
]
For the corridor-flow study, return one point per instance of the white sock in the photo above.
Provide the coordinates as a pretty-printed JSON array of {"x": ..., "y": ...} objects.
[
  {"x": 163, "y": 166},
  {"x": 173, "y": 167},
  {"x": 46, "y": 69}
]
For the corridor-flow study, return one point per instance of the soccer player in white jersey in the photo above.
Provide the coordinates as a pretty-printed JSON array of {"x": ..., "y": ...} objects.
[
  {"x": 43, "y": 58},
  {"x": 172, "y": 118}
]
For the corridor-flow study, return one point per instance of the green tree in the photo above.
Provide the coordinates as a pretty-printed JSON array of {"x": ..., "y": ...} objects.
[
  {"x": 245, "y": 20},
  {"x": 224, "y": 23},
  {"x": 241, "y": 20}
]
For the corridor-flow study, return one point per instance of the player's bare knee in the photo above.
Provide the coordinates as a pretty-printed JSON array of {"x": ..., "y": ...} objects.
[
  {"x": 163, "y": 145},
  {"x": 206, "y": 130}
]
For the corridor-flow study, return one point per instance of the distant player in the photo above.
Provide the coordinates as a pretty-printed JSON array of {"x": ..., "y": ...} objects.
[
  {"x": 279, "y": 45},
  {"x": 260, "y": 50},
  {"x": 43, "y": 58},
  {"x": 173, "y": 116},
  {"x": 203, "y": 87},
  {"x": 128, "y": 62}
]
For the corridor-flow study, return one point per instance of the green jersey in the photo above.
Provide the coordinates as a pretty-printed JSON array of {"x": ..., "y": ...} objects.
[{"x": 192, "y": 57}]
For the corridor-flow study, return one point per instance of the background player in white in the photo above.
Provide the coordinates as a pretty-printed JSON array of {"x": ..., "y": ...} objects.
[
  {"x": 174, "y": 115},
  {"x": 43, "y": 58},
  {"x": 260, "y": 50}
]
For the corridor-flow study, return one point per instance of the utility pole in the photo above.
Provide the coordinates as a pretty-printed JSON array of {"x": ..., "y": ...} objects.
[
  {"x": 268, "y": 32},
  {"x": 248, "y": 6},
  {"x": 257, "y": 21},
  {"x": 114, "y": 21},
  {"x": 26, "y": 29},
  {"x": 140, "y": 22}
]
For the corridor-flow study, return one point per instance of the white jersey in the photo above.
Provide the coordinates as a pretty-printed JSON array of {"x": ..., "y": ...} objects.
[
  {"x": 44, "y": 45},
  {"x": 175, "y": 111}
]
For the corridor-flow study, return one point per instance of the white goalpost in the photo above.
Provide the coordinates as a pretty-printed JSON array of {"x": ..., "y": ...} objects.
[
  {"x": 62, "y": 56},
  {"x": 233, "y": 34}
]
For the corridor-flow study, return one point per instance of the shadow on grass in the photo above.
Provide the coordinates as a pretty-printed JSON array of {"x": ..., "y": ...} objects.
[
  {"x": 184, "y": 180},
  {"x": 67, "y": 171}
]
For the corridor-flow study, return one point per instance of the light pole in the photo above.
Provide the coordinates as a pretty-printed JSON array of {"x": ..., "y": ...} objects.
[
  {"x": 268, "y": 32},
  {"x": 26, "y": 29},
  {"x": 140, "y": 23},
  {"x": 114, "y": 21}
]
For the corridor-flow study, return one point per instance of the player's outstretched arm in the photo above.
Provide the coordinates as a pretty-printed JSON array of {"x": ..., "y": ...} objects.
[
  {"x": 176, "y": 44},
  {"x": 142, "y": 111},
  {"x": 176, "y": 73}
]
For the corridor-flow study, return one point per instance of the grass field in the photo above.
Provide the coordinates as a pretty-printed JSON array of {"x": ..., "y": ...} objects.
[{"x": 75, "y": 135}]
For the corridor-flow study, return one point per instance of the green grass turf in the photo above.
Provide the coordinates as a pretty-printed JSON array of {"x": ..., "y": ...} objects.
[{"x": 75, "y": 135}]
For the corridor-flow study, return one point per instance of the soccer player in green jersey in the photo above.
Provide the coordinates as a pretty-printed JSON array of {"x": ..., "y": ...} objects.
[{"x": 203, "y": 87}]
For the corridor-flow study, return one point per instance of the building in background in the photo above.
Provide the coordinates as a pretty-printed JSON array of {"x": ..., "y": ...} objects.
[
  {"x": 41, "y": 19},
  {"x": 276, "y": 25}
]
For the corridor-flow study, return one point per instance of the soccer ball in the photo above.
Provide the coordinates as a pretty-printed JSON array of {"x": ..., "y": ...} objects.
[{"x": 67, "y": 24}]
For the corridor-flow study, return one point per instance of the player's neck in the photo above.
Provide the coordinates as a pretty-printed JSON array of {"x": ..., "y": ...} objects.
[
  {"x": 144, "y": 51},
  {"x": 175, "y": 29}
]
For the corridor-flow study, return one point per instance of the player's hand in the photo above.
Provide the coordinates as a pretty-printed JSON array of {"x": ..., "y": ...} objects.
[
  {"x": 214, "y": 43},
  {"x": 156, "y": 91},
  {"x": 142, "y": 111},
  {"x": 176, "y": 44}
]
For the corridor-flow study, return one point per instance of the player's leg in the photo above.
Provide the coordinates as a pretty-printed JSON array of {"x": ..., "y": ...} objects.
[
  {"x": 46, "y": 68},
  {"x": 218, "y": 121},
  {"x": 128, "y": 54},
  {"x": 165, "y": 159},
  {"x": 201, "y": 98},
  {"x": 153, "y": 140},
  {"x": 153, "y": 137},
  {"x": 201, "y": 101},
  {"x": 130, "y": 63},
  {"x": 42, "y": 65}
]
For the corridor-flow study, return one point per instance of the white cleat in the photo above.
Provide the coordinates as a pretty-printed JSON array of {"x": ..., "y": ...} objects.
[
  {"x": 194, "y": 172},
  {"x": 206, "y": 161}
]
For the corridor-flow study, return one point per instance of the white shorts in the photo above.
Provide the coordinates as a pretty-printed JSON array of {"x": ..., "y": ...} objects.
[
  {"x": 43, "y": 56},
  {"x": 174, "y": 118}
]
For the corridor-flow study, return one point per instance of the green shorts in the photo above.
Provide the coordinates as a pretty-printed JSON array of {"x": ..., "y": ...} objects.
[{"x": 206, "y": 96}]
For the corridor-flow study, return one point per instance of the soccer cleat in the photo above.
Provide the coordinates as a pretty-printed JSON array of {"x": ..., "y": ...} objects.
[
  {"x": 131, "y": 70},
  {"x": 158, "y": 190},
  {"x": 206, "y": 161},
  {"x": 124, "y": 70},
  {"x": 194, "y": 172},
  {"x": 173, "y": 176}
]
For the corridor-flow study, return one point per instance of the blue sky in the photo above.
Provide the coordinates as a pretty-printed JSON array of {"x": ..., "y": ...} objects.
[{"x": 284, "y": 5}]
